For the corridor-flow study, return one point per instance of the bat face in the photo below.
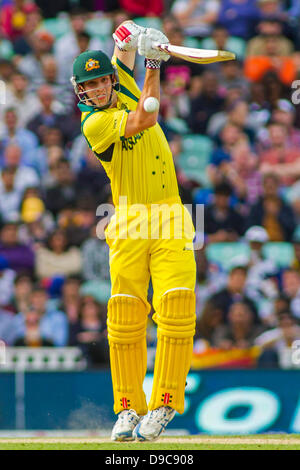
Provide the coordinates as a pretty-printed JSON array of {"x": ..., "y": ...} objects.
[{"x": 199, "y": 56}]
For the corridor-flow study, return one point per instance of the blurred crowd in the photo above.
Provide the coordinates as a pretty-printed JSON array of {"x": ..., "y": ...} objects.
[{"x": 234, "y": 130}]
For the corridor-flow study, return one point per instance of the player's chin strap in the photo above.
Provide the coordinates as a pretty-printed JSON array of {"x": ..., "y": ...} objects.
[{"x": 85, "y": 100}]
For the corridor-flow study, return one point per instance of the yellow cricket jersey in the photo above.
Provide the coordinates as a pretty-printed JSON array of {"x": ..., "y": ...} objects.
[{"x": 140, "y": 167}]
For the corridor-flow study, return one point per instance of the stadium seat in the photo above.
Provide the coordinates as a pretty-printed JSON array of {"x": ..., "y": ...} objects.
[
  {"x": 99, "y": 27},
  {"x": 57, "y": 26},
  {"x": 282, "y": 253},
  {"x": 234, "y": 44},
  {"x": 149, "y": 22},
  {"x": 197, "y": 143},
  {"x": 228, "y": 253},
  {"x": 196, "y": 150},
  {"x": 177, "y": 125},
  {"x": 99, "y": 289},
  {"x": 192, "y": 42}
]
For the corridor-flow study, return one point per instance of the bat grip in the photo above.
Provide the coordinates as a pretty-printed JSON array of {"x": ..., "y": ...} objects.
[{"x": 160, "y": 47}]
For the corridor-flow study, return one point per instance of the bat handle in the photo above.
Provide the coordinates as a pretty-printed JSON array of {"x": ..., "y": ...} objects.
[{"x": 160, "y": 47}]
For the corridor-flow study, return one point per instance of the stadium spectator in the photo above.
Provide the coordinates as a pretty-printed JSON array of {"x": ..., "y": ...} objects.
[
  {"x": 41, "y": 160},
  {"x": 37, "y": 223},
  {"x": 281, "y": 158},
  {"x": 281, "y": 304},
  {"x": 275, "y": 8},
  {"x": 7, "y": 277},
  {"x": 95, "y": 254},
  {"x": 33, "y": 336},
  {"x": 284, "y": 113},
  {"x": 7, "y": 68},
  {"x": 55, "y": 153},
  {"x": 230, "y": 136},
  {"x": 296, "y": 245},
  {"x": 269, "y": 30},
  {"x": 291, "y": 288},
  {"x": 57, "y": 258},
  {"x": 12, "y": 133},
  {"x": 221, "y": 40},
  {"x": 272, "y": 212},
  {"x": 239, "y": 17},
  {"x": 23, "y": 285},
  {"x": 259, "y": 106},
  {"x": 91, "y": 179},
  {"x": 243, "y": 175},
  {"x": 236, "y": 113},
  {"x": 31, "y": 64},
  {"x": 23, "y": 44},
  {"x": 176, "y": 78},
  {"x": 260, "y": 285},
  {"x": 240, "y": 331},
  {"x": 79, "y": 153},
  {"x": 232, "y": 77},
  {"x": 210, "y": 320},
  {"x": 48, "y": 117},
  {"x": 6, "y": 325},
  {"x": 90, "y": 332},
  {"x": 54, "y": 324},
  {"x": 207, "y": 103},
  {"x": 13, "y": 18},
  {"x": 19, "y": 257},
  {"x": 65, "y": 55},
  {"x": 70, "y": 299},
  {"x": 62, "y": 194},
  {"x": 62, "y": 90},
  {"x": 10, "y": 198},
  {"x": 256, "y": 67},
  {"x": 77, "y": 221},
  {"x": 196, "y": 17},
  {"x": 185, "y": 184},
  {"x": 18, "y": 97},
  {"x": 209, "y": 280},
  {"x": 235, "y": 291},
  {"x": 24, "y": 176},
  {"x": 222, "y": 222},
  {"x": 274, "y": 88},
  {"x": 275, "y": 342}
]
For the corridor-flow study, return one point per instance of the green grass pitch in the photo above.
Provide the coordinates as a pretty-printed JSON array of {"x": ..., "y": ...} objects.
[{"x": 200, "y": 442}]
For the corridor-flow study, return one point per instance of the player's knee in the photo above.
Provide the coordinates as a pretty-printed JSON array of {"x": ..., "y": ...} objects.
[
  {"x": 126, "y": 319},
  {"x": 176, "y": 316}
]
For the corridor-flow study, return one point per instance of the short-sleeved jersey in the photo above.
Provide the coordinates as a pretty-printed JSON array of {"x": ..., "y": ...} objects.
[{"x": 140, "y": 167}]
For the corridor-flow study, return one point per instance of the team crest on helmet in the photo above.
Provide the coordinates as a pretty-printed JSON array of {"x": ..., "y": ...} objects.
[{"x": 92, "y": 64}]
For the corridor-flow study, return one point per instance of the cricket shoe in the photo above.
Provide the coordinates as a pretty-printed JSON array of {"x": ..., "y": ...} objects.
[
  {"x": 153, "y": 424},
  {"x": 122, "y": 430}
]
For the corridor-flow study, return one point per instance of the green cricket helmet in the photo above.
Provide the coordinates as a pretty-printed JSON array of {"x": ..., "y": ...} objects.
[{"x": 88, "y": 66}]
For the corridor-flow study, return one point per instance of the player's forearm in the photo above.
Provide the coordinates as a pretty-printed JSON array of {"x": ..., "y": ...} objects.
[
  {"x": 126, "y": 57},
  {"x": 140, "y": 119},
  {"x": 151, "y": 88}
]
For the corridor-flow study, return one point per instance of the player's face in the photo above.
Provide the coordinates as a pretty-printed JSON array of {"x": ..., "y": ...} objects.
[{"x": 98, "y": 90}]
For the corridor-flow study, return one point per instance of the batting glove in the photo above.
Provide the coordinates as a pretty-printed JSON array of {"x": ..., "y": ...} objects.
[
  {"x": 150, "y": 38},
  {"x": 126, "y": 36}
]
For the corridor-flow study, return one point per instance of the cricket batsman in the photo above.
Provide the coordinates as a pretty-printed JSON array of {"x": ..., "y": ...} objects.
[{"x": 137, "y": 158}]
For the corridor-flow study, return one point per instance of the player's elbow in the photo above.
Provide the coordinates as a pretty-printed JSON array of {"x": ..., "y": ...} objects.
[
  {"x": 151, "y": 121},
  {"x": 147, "y": 120},
  {"x": 137, "y": 126}
]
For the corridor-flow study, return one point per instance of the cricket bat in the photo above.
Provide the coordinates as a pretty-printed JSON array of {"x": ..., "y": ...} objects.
[{"x": 199, "y": 56}]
